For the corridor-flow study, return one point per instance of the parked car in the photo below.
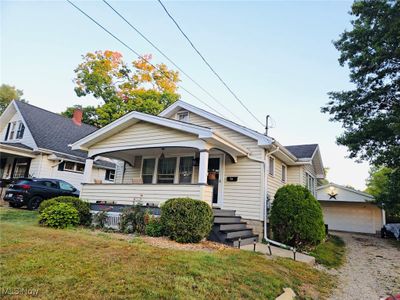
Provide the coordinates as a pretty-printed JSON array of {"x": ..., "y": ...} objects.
[{"x": 32, "y": 191}]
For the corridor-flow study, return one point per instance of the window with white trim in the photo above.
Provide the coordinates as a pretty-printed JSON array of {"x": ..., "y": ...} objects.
[
  {"x": 71, "y": 166},
  {"x": 183, "y": 116},
  {"x": 12, "y": 130},
  {"x": 271, "y": 167},
  {"x": 20, "y": 132},
  {"x": 310, "y": 183},
  {"x": 166, "y": 170},
  {"x": 110, "y": 175},
  {"x": 284, "y": 173},
  {"x": 185, "y": 169},
  {"x": 148, "y": 170}
]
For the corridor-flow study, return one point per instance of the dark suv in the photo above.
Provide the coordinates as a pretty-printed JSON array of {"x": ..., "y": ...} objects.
[{"x": 32, "y": 191}]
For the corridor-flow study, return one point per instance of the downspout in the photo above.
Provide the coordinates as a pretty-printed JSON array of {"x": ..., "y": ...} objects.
[{"x": 264, "y": 162}]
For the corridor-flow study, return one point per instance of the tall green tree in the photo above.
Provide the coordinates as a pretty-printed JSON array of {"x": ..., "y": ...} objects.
[
  {"x": 9, "y": 93},
  {"x": 370, "y": 112},
  {"x": 384, "y": 184},
  {"x": 122, "y": 88}
]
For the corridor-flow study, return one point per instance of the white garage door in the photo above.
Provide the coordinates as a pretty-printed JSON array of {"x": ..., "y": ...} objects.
[{"x": 352, "y": 218}]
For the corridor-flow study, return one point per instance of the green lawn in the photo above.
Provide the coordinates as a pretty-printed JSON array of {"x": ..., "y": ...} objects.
[
  {"x": 331, "y": 253},
  {"x": 76, "y": 264}
]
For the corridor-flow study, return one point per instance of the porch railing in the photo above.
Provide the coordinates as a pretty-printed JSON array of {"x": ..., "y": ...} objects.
[{"x": 147, "y": 194}]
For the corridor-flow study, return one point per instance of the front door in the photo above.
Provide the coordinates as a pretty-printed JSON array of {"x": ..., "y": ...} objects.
[{"x": 214, "y": 179}]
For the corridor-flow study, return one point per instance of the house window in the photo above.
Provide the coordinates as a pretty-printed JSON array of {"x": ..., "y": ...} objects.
[
  {"x": 12, "y": 130},
  {"x": 110, "y": 175},
  {"x": 166, "y": 170},
  {"x": 148, "y": 170},
  {"x": 183, "y": 116},
  {"x": 271, "y": 166},
  {"x": 185, "y": 169},
  {"x": 20, "y": 132},
  {"x": 310, "y": 183},
  {"x": 284, "y": 173},
  {"x": 71, "y": 167}
]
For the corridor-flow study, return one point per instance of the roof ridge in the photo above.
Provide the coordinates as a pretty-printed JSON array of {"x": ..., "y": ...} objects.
[{"x": 51, "y": 112}]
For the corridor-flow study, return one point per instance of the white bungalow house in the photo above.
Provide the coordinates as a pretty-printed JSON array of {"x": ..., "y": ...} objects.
[
  {"x": 189, "y": 152},
  {"x": 34, "y": 143}
]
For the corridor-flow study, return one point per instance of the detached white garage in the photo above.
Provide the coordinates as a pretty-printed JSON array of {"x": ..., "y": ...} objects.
[{"x": 349, "y": 210}]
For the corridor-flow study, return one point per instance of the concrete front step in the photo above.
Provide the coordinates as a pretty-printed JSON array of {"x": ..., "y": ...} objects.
[
  {"x": 245, "y": 240},
  {"x": 223, "y": 212},
  {"x": 227, "y": 219},
  {"x": 236, "y": 233},
  {"x": 232, "y": 226}
]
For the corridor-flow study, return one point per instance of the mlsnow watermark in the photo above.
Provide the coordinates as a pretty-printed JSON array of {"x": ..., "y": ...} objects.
[{"x": 18, "y": 291}]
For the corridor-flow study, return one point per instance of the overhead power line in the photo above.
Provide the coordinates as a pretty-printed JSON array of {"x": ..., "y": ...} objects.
[
  {"x": 209, "y": 66},
  {"x": 171, "y": 61},
  {"x": 137, "y": 53}
]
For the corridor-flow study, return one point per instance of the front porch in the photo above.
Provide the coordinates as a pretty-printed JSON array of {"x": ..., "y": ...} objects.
[{"x": 147, "y": 194}]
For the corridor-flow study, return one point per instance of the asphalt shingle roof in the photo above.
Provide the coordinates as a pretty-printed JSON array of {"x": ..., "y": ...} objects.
[
  {"x": 17, "y": 145},
  {"x": 302, "y": 151},
  {"x": 52, "y": 131}
]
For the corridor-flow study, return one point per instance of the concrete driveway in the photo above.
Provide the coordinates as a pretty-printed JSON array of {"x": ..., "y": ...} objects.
[{"x": 371, "y": 271}]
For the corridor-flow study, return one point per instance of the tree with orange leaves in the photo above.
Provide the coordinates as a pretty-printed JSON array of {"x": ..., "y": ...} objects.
[{"x": 144, "y": 87}]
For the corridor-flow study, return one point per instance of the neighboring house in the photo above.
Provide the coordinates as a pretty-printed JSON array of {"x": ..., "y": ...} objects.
[
  {"x": 347, "y": 209},
  {"x": 190, "y": 152},
  {"x": 34, "y": 143}
]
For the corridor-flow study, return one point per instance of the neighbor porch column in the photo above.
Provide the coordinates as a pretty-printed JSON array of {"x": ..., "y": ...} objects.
[
  {"x": 87, "y": 173},
  {"x": 203, "y": 167}
]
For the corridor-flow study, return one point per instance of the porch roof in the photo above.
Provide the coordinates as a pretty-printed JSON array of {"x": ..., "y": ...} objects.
[
  {"x": 206, "y": 137},
  {"x": 17, "y": 149}
]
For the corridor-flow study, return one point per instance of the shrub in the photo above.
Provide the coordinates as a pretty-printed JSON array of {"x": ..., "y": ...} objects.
[
  {"x": 154, "y": 227},
  {"x": 81, "y": 206},
  {"x": 59, "y": 215},
  {"x": 133, "y": 219},
  {"x": 186, "y": 220},
  {"x": 296, "y": 217}
]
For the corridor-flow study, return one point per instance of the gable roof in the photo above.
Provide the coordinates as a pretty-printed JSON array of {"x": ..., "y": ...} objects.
[
  {"x": 262, "y": 139},
  {"x": 52, "y": 131},
  {"x": 344, "y": 193},
  {"x": 302, "y": 151}
]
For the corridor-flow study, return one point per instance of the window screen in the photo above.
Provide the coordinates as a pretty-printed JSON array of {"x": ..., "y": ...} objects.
[
  {"x": 148, "y": 170},
  {"x": 185, "y": 169},
  {"x": 166, "y": 170}
]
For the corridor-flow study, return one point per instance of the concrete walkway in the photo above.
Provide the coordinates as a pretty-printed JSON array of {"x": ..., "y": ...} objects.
[{"x": 276, "y": 251}]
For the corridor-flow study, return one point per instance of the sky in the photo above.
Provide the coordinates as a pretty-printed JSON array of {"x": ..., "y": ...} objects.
[{"x": 277, "y": 56}]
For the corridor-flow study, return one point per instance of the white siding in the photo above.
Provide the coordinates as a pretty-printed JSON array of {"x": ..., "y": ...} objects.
[
  {"x": 45, "y": 168},
  {"x": 246, "y": 195},
  {"x": 275, "y": 181},
  {"x": 145, "y": 193},
  {"x": 294, "y": 175},
  {"x": 27, "y": 138},
  {"x": 141, "y": 134}
]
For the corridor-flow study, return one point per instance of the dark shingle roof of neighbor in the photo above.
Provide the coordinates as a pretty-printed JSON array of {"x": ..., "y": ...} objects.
[
  {"x": 97, "y": 162},
  {"x": 53, "y": 131},
  {"x": 17, "y": 145},
  {"x": 302, "y": 151}
]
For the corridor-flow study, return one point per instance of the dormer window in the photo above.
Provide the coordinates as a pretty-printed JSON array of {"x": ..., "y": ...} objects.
[{"x": 183, "y": 116}]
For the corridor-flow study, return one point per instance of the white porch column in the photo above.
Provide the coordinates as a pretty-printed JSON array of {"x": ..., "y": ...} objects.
[
  {"x": 87, "y": 174},
  {"x": 203, "y": 167}
]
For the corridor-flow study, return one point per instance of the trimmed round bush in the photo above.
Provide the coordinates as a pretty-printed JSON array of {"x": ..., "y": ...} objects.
[
  {"x": 59, "y": 215},
  {"x": 81, "y": 206},
  {"x": 296, "y": 217},
  {"x": 186, "y": 220},
  {"x": 154, "y": 227}
]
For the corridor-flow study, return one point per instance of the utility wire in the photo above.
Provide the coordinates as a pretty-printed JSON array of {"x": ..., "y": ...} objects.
[
  {"x": 206, "y": 62},
  {"x": 171, "y": 61},
  {"x": 136, "y": 53}
]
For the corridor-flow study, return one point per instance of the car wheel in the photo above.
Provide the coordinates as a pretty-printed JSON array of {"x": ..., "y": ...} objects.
[{"x": 34, "y": 202}]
